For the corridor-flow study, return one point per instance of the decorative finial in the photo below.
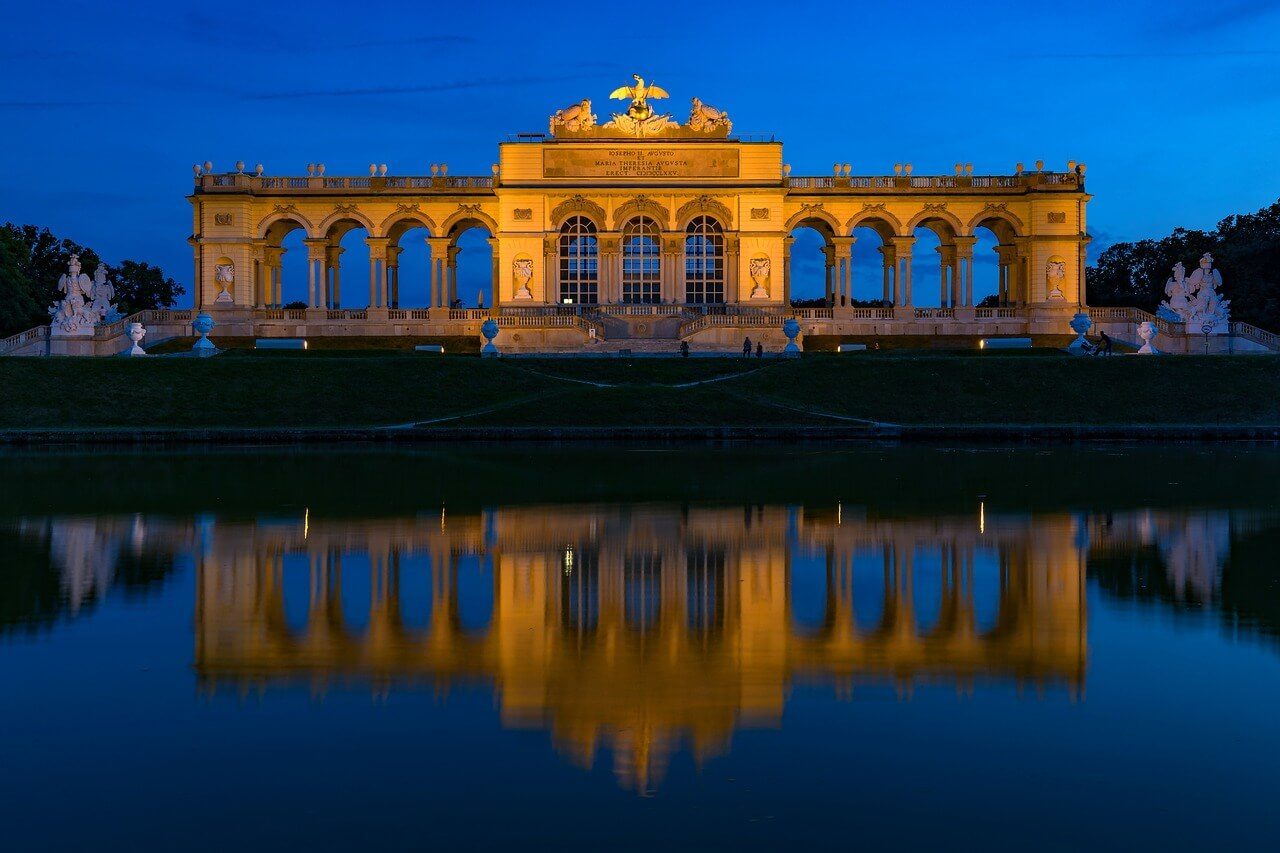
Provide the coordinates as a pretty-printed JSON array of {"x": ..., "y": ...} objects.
[
  {"x": 968, "y": 169},
  {"x": 373, "y": 169},
  {"x": 311, "y": 169},
  {"x": 208, "y": 165},
  {"x": 907, "y": 169},
  {"x": 444, "y": 169},
  {"x": 196, "y": 169},
  {"x": 897, "y": 169},
  {"x": 435, "y": 169},
  {"x": 847, "y": 169},
  {"x": 382, "y": 170},
  {"x": 320, "y": 168},
  {"x": 1039, "y": 165},
  {"x": 257, "y": 170},
  {"x": 1018, "y": 168}
]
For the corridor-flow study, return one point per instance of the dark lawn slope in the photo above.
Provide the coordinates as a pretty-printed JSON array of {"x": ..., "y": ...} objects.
[{"x": 338, "y": 391}]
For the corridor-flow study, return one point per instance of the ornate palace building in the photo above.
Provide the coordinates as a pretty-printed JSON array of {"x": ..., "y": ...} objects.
[{"x": 640, "y": 227}]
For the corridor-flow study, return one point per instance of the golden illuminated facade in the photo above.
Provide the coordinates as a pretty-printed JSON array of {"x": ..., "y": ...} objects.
[{"x": 638, "y": 228}]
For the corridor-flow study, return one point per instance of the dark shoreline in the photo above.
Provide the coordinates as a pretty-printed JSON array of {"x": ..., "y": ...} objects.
[{"x": 977, "y": 434}]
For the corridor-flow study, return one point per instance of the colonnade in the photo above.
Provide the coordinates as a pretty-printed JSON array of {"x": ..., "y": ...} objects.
[
  {"x": 324, "y": 273},
  {"x": 955, "y": 271}
]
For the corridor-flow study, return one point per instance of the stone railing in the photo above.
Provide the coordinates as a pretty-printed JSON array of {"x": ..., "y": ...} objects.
[
  {"x": 996, "y": 313},
  {"x": 107, "y": 331},
  {"x": 875, "y": 184},
  {"x": 468, "y": 313},
  {"x": 346, "y": 314},
  {"x": 871, "y": 313},
  {"x": 812, "y": 313},
  {"x": 1133, "y": 316},
  {"x": 326, "y": 185},
  {"x": 935, "y": 313},
  {"x": 1270, "y": 340},
  {"x": 22, "y": 339}
]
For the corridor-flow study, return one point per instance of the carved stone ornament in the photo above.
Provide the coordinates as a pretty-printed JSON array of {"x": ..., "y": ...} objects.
[
  {"x": 1196, "y": 301},
  {"x": 574, "y": 118},
  {"x": 639, "y": 120},
  {"x": 705, "y": 204},
  {"x": 523, "y": 214},
  {"x": 759, "y": 268},
  {"x": 641, "y": 205},
  {"x": 1055, "y": 275},
  {"x": 758, "y": 213},
  {"x": 870, "y": 206},
  {"x": 705, "y": 118},
  {"x": 222, "y": 219},
  {"x": 84, "y": 303},
  {"x": 345, "y": 208},
  {"x": 1057, "y": 217},
  {"x": 522, "y": 274},
  {"x": 579, "y": 205},
  {"x": 224, "y": 275}
]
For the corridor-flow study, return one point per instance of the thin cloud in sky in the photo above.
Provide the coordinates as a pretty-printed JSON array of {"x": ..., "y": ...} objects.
[
  {"x": 484, "y": 83},
  {"x": 1214, "y": 17}
]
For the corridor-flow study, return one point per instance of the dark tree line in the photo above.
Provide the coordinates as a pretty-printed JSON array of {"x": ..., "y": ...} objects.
[
  {"x": 1246, "y": 248},
  {"x": 31, "y": 261}
]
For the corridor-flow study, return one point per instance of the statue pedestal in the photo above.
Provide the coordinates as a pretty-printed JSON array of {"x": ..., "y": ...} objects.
[{"x": 74, "y": 344}]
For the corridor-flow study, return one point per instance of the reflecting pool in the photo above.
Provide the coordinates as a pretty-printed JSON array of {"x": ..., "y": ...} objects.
[{"x": 598, "y": 647}]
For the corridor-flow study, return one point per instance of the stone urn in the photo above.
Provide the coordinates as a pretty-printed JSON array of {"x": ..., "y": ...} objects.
[
  {"x": 136, "y": 334},
  {"x": 791, "y": 328},
  {"x": 490, "y": 331},
  {"x": 203, "y": 325},
  {"x": 1081, "y": 323},
  {"x": 1147, "y": 331}
]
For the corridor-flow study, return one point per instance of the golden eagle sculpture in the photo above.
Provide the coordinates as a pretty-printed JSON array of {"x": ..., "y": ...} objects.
[{"x": 639, "y": 95}]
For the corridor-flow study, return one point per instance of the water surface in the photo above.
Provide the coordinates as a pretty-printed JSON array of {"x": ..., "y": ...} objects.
[{"x": 594, "y": 647}]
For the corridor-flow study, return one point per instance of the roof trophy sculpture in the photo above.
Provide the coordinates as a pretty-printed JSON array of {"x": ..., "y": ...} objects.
[
  {"x": 84, "y": 303},
  {"x": 1196, "y": 301},
  {"x": 576, "y": 121}
]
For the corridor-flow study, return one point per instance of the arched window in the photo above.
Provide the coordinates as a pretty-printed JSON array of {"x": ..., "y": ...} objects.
[
  {"x": 704, "y": 261},
  {"x": 579, "y": 262},
  {"x": 641, "y": 261}
]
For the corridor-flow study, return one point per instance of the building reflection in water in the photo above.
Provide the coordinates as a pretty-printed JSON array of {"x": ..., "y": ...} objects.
[{"x": 640, "y": 628}]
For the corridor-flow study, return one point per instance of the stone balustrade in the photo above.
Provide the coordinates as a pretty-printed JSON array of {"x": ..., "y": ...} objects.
[
  {"x": 328, "y": 185},
  {"x": 879, "y": 184}
]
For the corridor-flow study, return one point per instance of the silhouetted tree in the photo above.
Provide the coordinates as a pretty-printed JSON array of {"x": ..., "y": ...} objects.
[{"x": 1246, "y": 248}]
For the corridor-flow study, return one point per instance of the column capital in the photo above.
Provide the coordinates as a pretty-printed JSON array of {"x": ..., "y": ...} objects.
[
  {"x": 550, "y": 244},
  {"x": 902, "y": 245},
  {"x": 315, "y": 248},
  {"x": 964, "y": 244},
  {"x": 439, "y": 246},
  {"x": 610, "y": 242}
]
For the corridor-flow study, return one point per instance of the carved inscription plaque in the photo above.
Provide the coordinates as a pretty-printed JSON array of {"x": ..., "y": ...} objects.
[{"x": 640, "y": 161}]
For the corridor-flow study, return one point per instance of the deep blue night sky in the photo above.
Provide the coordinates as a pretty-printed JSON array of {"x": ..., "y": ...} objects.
[{"x": 1171, "y": 103}]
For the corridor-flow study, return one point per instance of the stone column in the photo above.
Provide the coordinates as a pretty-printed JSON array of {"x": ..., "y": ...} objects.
[
  {"x": 551, "y": 274},
  {"x": 890, "y": 268},
  {"x": 946, "y": 274},
  {"x": 333, "y": 258},
  {"x": 1032, "y": 287},
  {"x": 259, "y": 255},
  {"x": 828, "y": 256},
  {"x": 377, "y": 271},
  {"x": 787, "y": 243},
  {"x": 316, "y": 255},
  {"x": 198, "y": 259},
  {"x": 609, "y": 287},
  {"x": 273, "y": 257},
  {"x": 732, "y": 250},
  {"x": 842, "y": 253},
  {"x": 673, "y": 266},
  {"x": 902, "y": 247},
  {"x": 494, "y": 275},
  {"x": 393, "y": 276},
  {"x": 453, "y": 276},
  {"x": 440, "y": 247},
  {"x": 963, "y": 273}
]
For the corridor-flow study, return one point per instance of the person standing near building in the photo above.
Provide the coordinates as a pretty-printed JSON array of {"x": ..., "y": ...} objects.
[{"x": 746, "y": 347}]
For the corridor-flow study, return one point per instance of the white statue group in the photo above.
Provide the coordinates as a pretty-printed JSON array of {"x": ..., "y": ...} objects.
[
  {"x": 84, "y": 303},
  {"x": 1196, "y": 301}
]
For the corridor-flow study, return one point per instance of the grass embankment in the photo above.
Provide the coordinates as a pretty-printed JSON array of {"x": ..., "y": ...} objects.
[{"x": 287, "y": 390}]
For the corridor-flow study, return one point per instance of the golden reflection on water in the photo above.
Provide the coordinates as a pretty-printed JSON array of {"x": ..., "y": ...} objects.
[{"x": 640, "y": 628}]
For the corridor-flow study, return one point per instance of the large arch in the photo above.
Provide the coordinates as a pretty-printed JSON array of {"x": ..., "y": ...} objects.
[
  {"x": 873, "y": 268},
  {"x": 703, "y": 205},
  {"x": 412, "y": 257},
  {"x": 998, "y": 272},
  {"x": 578, "y": 205},
  {"x": 347, "y": 214},
  {"x": 342, "y": 238},
  {"x": 641, "y": 206},
  {"x": 290, "y": 215},
  {"x": 819, "y": 230}
]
